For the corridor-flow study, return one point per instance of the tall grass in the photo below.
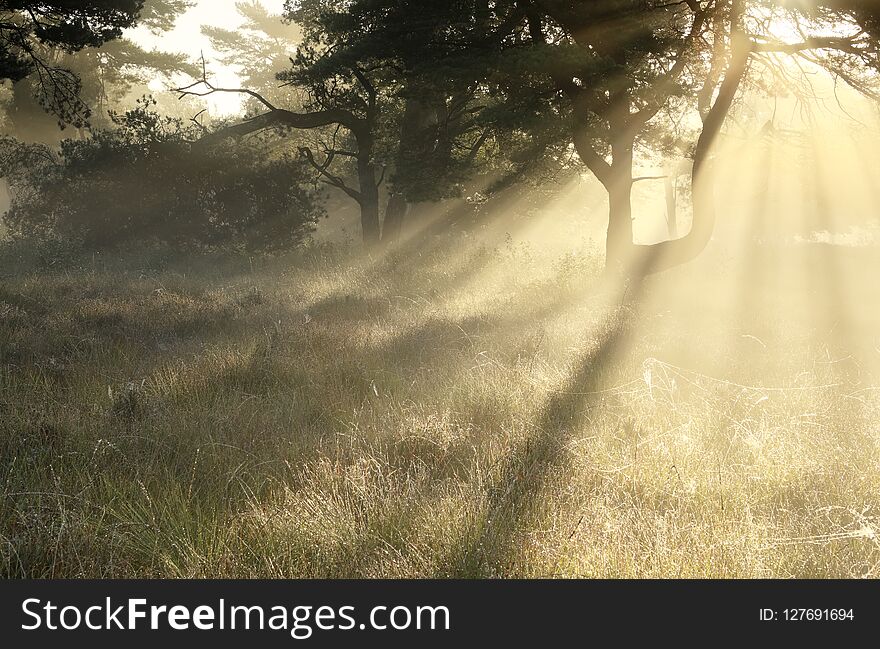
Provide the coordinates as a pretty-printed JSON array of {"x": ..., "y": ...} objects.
[{"x": 455, "y": 411}]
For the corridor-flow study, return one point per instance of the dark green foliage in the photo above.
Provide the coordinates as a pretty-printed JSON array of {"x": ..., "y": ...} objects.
[
  {"x": 398, "y": 65},
  {"x": 145, "y": 181},
  {"x": 74, "y": 25},
  {"x": 29, "y": 29}
]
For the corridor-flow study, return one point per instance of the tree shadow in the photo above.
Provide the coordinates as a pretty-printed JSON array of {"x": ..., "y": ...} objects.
[
  {"x": 428, "y": 360},
  {"x": 488, "y": 545}
]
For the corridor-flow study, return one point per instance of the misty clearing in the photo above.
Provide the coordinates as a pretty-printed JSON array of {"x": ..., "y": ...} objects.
[{"x": 476, "y": 289}]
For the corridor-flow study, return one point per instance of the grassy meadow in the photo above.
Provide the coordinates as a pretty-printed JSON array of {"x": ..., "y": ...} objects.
[{"x": 460, "y": 409}]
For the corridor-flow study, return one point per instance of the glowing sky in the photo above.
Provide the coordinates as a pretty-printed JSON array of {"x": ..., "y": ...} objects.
[{"x": 187, "y": 37}]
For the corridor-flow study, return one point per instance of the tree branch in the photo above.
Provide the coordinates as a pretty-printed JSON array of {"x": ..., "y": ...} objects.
[
  {"x": 186, "y": 91},
  {"x": 812, "y": 43},
  {"x": 367, "y": 85},
  {"x": 280, "y": 118},
  {"x": 329, "y": 178},
  {"x": 665, "y": 83}
]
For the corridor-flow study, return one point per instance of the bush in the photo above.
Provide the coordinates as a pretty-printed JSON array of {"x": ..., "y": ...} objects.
[{"x": 150, "y": 179}]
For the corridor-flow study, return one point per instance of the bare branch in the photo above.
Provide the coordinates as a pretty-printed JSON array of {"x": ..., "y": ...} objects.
[
  {"x": 195, "y": 120},
  {"x": 329, "y": 178},
  {"x": 210, "y": 89},
  {"x": 188, "y": 91}
]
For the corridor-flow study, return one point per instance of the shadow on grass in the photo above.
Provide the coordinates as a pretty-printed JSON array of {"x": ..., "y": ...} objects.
[{"x": 488, "y": 546}]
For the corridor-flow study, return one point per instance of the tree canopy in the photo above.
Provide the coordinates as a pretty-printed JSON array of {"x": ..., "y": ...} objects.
[
  {"x": 27, "y": 29},
  {"x": 398, "y": 103}
]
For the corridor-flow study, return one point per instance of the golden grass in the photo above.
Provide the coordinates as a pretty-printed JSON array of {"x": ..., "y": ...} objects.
[{"x": 487, "y": 413}]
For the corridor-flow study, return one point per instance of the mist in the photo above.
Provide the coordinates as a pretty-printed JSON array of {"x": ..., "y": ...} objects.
[{"x": 297, "y": 292}]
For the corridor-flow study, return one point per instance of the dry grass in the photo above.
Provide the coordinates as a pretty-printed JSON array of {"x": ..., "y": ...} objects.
[{"x": 483, "y": 413}]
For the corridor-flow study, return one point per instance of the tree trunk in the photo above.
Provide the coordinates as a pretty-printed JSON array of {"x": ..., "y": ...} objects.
[
  {"x": 411, "y": 127},
  {"x": 671, "y": 205},
  {"x": 368, "y": 190},
  {"x": 395, "y": 212},
  {"x": 661, "y": 256},
  {"x": 618, "y": 243},
  {"x": 370, "y": 211}
]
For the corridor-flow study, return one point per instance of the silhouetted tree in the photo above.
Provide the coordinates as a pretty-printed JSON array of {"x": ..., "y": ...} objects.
[
  {"x": 417, "y": 89},
  {"x": 601, "y": 75},
  {"x": 27, "y": 28},
  {"x": 371, "y": 115}
]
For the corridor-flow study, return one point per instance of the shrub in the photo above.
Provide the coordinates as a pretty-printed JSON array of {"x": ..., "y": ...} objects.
[{"x": 150, "y": 179}]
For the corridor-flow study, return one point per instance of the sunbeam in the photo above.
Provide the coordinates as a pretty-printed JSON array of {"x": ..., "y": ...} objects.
[{"x": 445, "y": 289}]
